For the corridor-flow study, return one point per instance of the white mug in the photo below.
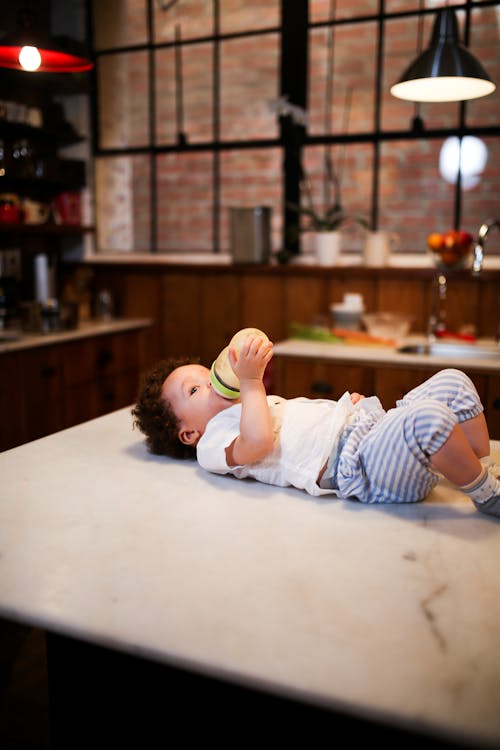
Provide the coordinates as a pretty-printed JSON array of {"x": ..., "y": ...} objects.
[{"x": 378, "y": 247}]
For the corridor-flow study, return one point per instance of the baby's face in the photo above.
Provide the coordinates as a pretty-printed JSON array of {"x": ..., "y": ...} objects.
[{"x": 189, "y": 391}]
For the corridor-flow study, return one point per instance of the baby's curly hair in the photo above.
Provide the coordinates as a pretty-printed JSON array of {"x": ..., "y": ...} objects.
[{"x": 155, "y": 417}]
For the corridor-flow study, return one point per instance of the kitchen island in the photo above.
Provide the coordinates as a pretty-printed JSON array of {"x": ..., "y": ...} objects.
[{"x": 309, "y": 612}]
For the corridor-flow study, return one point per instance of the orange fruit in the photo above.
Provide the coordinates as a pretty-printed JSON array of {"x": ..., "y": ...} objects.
[
  {"x": 435, "y": 241},
  {"x": 451, "y": 238}
]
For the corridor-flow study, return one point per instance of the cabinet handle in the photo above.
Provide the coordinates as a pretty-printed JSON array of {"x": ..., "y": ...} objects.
[
  {"x": 104, "y": 357},
  {"x": 48, "y": 371},
  {"x": 323, "y": 387},
  {"x": 496, "y": 403}
]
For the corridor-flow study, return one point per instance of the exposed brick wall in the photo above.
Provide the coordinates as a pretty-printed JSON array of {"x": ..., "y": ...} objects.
[{"x": 413, "y": 198}]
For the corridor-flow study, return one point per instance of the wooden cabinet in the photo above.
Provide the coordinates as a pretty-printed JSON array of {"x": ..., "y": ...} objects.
[
  {"x": 100, "y": 375},
  {"x": 42, "y": 390},
  {"x": 317, "y": 378},
  {"x": 12, "y": 404},
  {"x": 492, "y": 405},
  {"x": 49, "y": 388}
]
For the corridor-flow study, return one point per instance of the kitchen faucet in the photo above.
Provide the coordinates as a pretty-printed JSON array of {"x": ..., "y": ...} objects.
[{"x": 477, "y": 263}]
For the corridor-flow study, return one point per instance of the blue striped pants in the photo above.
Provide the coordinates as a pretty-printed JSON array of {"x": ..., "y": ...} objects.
[{"x": 388, "y": 461}]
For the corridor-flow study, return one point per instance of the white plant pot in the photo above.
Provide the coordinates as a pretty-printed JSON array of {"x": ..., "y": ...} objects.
[{"x": 327, "y": 246}]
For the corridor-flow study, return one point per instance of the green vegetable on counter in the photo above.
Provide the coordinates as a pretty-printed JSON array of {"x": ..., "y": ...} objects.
[{"x": 312, "y": 333}]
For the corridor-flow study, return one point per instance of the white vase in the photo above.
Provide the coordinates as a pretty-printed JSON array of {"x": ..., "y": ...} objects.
[{"x": 327, "y": 247}]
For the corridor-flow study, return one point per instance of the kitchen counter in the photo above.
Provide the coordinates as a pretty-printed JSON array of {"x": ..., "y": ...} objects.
[
  {"x": 387, "y": 612},
  {"x": 28, "y": 340},
  {"x": 380, "y": 355},
  {"x": 304, "y": 260}
]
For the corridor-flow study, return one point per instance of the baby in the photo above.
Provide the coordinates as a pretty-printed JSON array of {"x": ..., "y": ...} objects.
[{"x": 352, "y": 447}]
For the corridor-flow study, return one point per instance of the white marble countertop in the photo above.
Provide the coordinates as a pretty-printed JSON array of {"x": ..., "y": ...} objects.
[
  {"x": 377, "y": 354},
  {"x": 390, "y": 612},
  {"x": 27, "y": 340}
]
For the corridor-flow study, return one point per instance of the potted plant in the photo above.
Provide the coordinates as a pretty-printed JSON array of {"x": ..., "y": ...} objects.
[{"x": 326, "y": 225}]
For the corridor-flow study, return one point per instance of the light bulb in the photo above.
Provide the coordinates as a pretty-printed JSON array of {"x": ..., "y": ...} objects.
[
  {"x": 30, "y": 58},
  {"x": 471, "y": 154}
]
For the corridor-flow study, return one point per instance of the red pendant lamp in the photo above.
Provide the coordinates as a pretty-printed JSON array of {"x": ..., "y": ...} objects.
[{"x": 30, "y": 49}]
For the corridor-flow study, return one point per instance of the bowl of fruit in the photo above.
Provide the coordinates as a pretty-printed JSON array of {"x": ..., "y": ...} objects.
[{"x": 451, "y": 249}]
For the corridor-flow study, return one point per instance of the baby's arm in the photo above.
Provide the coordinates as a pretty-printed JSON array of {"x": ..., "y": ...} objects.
[{"x": 256, "y": 430}]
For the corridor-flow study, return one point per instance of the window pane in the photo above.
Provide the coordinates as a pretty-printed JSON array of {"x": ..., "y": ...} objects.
[
  {"x": 193, "y": 17},
  {"x": 354, "y": 58},
  {"x": 123, "y": 100},
  {"x": 123, "y": 209},
  {"x": 414, "y": 199},
  {"x": 251, "y": 178},
  {"x": 481, "y": 202},
  {"x": 185, "y": 198},
  {"x": 249, "y": 81},
  {"x": 184, "y": 103},
  {"x": 320, "y": 10},
  {"x": 352, "y": 166},
  {"x": 485, "y": 46},
  {"x": 400, "y": 50},
  {"x": 236, "y": 15},
  {"x": 119, "y": 23}
]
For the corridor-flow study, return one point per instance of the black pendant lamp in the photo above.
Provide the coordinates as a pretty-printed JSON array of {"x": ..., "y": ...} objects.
[
  {"x": 32, "y": 50},
  {"x": 446, "y": 71}
]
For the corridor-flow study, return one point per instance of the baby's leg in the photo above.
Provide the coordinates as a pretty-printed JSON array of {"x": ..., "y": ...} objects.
[
  {"x": 455, "y": 389},
  {"x": 390, "y": 464},
  {"x": 456, "y": 459},
  {"x": 457, "y": 462}
]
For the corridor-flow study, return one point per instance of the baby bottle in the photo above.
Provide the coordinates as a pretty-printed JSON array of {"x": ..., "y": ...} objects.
[{"x": 222, "y": 377}]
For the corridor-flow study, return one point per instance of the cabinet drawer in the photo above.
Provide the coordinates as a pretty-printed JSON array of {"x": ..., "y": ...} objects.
[
  {"x": 100, "y": 356},
  {"x": 41, "y": 374},
  {"x": 93, "y": 398},
  {"x": 42, "y": 387}
]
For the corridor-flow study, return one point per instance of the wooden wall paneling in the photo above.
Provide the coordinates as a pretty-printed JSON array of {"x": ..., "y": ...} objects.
[
  {"x": 219, "y": 314},
  {"x": 141, "y": 299},
  {"x": 461, "y": 304},
  {"x": 306, "y": 301},
  {"x": 261, "y": 304},
  {"x": 488, "y": 308},
  {"x": 405, "y": 296},
  {"x": 180, "y": 305}
]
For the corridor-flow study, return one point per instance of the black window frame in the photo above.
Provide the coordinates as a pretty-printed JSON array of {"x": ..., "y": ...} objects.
[{"x": 293, "y": 76}]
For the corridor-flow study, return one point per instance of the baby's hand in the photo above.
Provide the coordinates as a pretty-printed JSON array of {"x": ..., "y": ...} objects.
[
  {"x": 252, "y": 360},
  {"x": 355, "y": 397}
]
